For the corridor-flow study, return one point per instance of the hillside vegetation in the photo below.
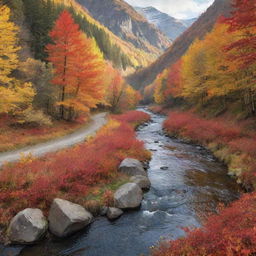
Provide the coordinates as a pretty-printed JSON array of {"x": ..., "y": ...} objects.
[
  {"x": 128, "y": 24},
  {"x": 213, "y": 87},
  {"x": 51, "y": 72},
  {"x": 199, "y": 29}
]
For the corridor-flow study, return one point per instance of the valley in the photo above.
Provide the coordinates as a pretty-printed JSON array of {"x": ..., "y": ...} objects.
[{"x": 126, "y": 130}]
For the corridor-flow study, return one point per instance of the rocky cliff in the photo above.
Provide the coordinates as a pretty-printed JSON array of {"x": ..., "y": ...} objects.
[
  {"x": 127, "y": 24},
  {"x": 168, "y": 25}
]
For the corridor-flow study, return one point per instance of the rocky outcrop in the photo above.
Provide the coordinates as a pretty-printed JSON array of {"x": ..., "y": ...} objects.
[
  {"x": 142, "y": 181},
  {"x": 65, "y": 218},
  {"x": 132, "y": 167},
  {"x": 168, "y": 25},
  {"x": 28, "y": 226},
  {"x": 114, "y": 213},
  {"x": 127, "y": 24},
  {"x": 128, "y": 196}
]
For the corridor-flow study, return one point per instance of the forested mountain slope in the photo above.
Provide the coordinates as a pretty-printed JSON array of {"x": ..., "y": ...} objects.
[
  {"x": 41, "y": 14},
  {"x": 203, "y": 25},
  {"x": 127, "y": 24}
]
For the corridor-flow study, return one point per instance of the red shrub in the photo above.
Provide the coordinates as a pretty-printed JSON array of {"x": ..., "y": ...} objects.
[
  {"x": 108, "y": 198},
  {"x": 244, "y": 145},
  {"x": 200, "y": 130},
  {"x": 232, "y": 232},
  {"x": 71, "y": 173},
  {"x": 133, "y": 117}
]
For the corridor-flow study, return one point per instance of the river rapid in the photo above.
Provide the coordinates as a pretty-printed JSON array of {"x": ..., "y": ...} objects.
[{"x": 187, "y": 184}]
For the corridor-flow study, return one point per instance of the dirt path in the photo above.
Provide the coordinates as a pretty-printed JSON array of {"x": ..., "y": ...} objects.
[{"x": 98, "y": 120}]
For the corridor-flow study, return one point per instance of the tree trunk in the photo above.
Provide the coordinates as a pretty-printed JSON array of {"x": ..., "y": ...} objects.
[{"x": 63, "y": 89}]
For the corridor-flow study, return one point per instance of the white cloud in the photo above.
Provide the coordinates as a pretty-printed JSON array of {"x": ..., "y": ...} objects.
[{"x": 182, "y": 9}]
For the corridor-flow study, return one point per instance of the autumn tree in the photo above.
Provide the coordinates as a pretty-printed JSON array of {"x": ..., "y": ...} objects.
[
  {"x": 243, "y": 48},
  {"x": 174, "y": 82},
  {"x": 130, "y": 99},
  {"x": 8, "y": 45},
  {"x": 78, "y": 65},
  {"x": 116, "y": 89},
  {"x": 194, "y": 73},
  {"x": 221, "y": 72},
  {"x": 160, "y": 86},
  {"x": 243, "y": 19},
  {"x": 148, "y": 93},
  {"x": 15, "y": 96}
]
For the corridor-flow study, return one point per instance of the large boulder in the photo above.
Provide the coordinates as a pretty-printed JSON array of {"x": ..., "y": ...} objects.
[
  {"x": 65, "y": 218},
  {"x": 142, "y": 181},
  {"x": 28, "y": 226},
  {"x": 132, "y": 167},
  {"x": 114, "y": 213},
  {"x": 128, "y": 196}
]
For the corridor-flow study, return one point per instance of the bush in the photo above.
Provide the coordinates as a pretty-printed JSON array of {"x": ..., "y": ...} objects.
[
  {"x": 233, "y": 143},
  {"x": 232, "y": 232},
  {"x": 108, "y": 198},
  {"x": 35, "y": 118},
  {"x": 69, "y": 174},
  {"x": 133, "y": 117}
]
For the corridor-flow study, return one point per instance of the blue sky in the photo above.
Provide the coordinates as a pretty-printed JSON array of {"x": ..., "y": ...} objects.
[{"x": 181, "y": 9}]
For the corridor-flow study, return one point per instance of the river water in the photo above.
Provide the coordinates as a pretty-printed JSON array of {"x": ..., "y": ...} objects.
[{"x": 187, "y": 183}]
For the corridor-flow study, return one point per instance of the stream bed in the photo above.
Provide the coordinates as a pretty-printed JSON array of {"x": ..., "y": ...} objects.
[{"x": 187, "y": 183}]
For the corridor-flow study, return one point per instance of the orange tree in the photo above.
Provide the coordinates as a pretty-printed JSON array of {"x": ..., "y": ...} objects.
[{"x": 78, "y": 66}]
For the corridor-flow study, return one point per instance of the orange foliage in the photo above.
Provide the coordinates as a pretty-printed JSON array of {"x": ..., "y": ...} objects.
[
  {"x": 78, "y": 66},
  {"x": 119, "y": 95}
]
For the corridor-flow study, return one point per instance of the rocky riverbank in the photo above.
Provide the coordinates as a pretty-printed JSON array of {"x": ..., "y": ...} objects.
[{"x": 65, "y": 218}]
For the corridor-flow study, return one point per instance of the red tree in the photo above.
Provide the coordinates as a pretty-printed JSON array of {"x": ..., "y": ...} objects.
[
  {"x": 244, "y": 19},
  {"x": 77, "y": 65},
  {"x": 174, "y": 80}
]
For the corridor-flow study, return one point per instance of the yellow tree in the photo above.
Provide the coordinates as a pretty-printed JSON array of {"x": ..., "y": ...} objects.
[
  {"x": 8, "y": 45},
  {"x": 160, "y": 86},
  {"x": 222, "y": 73},
  {"x": 130, "y": 98},
  {"x": 194, "y": 75},
  {"x": 15, "y": 96}
]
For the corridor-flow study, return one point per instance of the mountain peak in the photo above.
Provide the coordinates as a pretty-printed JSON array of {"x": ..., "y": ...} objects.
[{"x": 169, "y": 25}]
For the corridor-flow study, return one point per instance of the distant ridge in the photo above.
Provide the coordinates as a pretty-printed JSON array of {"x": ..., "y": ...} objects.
[{"x": 168, "y": 25}]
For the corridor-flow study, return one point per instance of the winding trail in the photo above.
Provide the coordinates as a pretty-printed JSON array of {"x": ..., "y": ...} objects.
[{"x": 98, "y": 120}]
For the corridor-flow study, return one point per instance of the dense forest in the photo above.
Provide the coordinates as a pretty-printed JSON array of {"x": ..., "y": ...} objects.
[{"x": 21, "y": 76}]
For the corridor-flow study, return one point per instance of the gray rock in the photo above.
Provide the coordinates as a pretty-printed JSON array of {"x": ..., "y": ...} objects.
[
  {"x": 142, "y": 181},
  {"x": 114, "y": 213},
  {"x": 132, "y": 167},
  {"x": 103, "y": 210},
  {"x": 128, "y": 196},
  {"x": 28, "y": 226},
  {"x": 65, "y": 218}
]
